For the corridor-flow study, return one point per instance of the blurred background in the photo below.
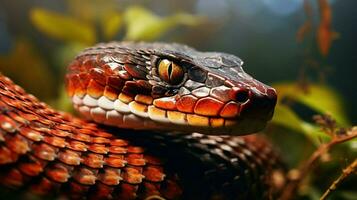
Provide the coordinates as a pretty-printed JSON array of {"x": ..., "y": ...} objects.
[{"x": 306, "y": 49}]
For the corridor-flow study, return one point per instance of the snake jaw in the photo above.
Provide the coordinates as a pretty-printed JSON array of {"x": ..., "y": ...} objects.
[{"x": 124, "y": 87}]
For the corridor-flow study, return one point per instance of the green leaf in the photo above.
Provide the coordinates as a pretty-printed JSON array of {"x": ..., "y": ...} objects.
[
  {"x": 111, "y": 24},
  {"x": 62, "y": 27},
  {"x": 321, "y": 98},
  {"x": 285, "y": 116},
  {"x": 145, "y": 25}
]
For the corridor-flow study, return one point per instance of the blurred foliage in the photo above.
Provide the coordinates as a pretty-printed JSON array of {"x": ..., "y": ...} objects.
[
  {"x": 320, "y": 98},
  {"x": 141, "y": 24},
  {"x": 83, "y": 24},
  {"x": 26, "y": 66},
  {"x": 62, "y": 27}
]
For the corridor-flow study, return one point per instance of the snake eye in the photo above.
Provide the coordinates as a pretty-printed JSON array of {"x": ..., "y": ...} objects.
[{"x": 170, "y": 72}]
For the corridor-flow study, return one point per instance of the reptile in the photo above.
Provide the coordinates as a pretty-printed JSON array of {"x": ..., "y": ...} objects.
[{"x": 170, "y": 123}]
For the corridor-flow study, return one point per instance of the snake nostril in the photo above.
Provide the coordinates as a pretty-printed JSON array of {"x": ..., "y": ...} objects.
[{"x": 242, "y": 96}]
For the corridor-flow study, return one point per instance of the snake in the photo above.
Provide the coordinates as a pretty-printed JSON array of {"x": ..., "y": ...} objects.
[{"x": 159, "y": 121}]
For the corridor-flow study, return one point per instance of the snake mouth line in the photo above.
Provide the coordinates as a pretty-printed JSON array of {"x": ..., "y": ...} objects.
[{"x": 126, "y": 112}]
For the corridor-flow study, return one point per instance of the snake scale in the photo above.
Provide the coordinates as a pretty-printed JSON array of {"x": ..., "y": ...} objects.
[{"x": 183, "y": 119}]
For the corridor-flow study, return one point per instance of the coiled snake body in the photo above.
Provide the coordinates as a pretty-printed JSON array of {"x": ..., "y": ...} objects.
[{"x": 157, "y": 94}]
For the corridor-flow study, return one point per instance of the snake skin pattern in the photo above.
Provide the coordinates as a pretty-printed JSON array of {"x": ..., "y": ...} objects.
[
  {"x": 53, "y": 154},
  {"x": 121, "y": 84}
]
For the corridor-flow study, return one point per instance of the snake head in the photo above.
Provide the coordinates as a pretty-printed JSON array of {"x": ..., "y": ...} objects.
[{"x": 168, "y": 87}]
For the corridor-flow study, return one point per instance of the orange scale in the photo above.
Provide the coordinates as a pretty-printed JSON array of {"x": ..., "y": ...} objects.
[
  {"x": 64, "y": 127},
  {"x": 31, "y": 168},
  {"x": 133, "y": 176},
  {"x": 100, "y": 140},
  {"x": 7, "y": 156},
  {"x": 77, "y": 123},
  {"x": 85, "y": 176},
  {"x": 98, "y": 148},
  {"x": 119, "y": 142},
  {"x": 115, "y": 162},
  {"x": 117, "y": 149},
  {"x": 84, "y": 79},
  {"x": 135, "y": 149},
  {"x": 44, "y": 151},
  {"x": 60, "y": 133},
  {"x": 77, "y": 146},
  {"x": 18, "y": 118},
  {"x": 70, "y": 157},
  {"x": 84, "y": 131},
  {"x": 111, "y": 93},
  {"x": 186, "y": 103},
  {"x": 154, "y": 174},
  {"x": 167, "y": 103},
  {"x": 18, "y": 144},
  {"x": 58, "y": 173},
  {"x": 7, "y": 124},
  {"x": 70, "y": 84},
  {"x": 46, "y": 122},
  {"x": 89, "y": 127},
  {"x": 136, "y": 160},
  {"x": 98, "y": 75},
  {"x": 208, "y": 106},
  {"x": 110, "y": 176},
  {"x": 81, "y": 137},
  {"x": 94, "y": 160},
  {"x": 94, "y": 89},
  {"x": 231, "y": 109},
  {"x": 55, "y": 141},
  {"x": 103, "y": 134}
]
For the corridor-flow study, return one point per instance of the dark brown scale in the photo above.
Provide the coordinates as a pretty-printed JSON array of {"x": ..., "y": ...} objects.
[{"x": 135, "y": 71}]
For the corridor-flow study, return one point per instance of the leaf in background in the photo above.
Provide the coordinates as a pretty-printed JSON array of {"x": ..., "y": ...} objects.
[
  {"x": 111, "y": 24},
  {"x": 62, "y": 27},
  {"x": 318, "y": 97},
  {"x": 325, "y": 34},
  {"x": 27, "y": 68},
  {"x": 145, "y": 25},
  {"x": 285, "y": 116},
  {"x": 91, "y": 10}
]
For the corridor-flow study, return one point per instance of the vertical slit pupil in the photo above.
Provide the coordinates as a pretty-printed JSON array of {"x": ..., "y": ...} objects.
[{"x": 169, "y": 70}]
